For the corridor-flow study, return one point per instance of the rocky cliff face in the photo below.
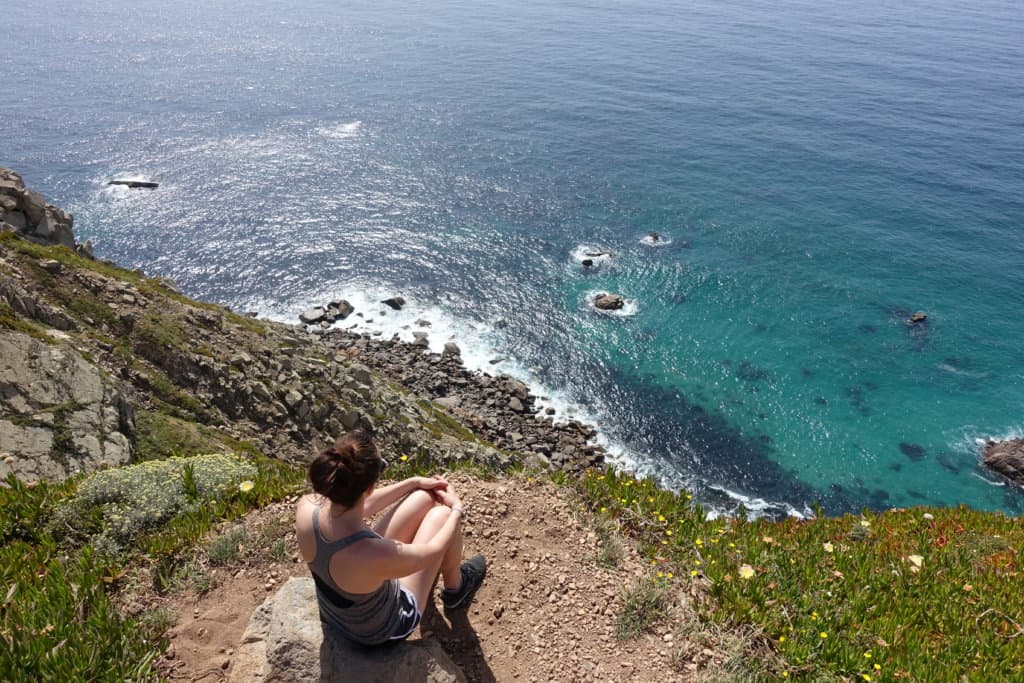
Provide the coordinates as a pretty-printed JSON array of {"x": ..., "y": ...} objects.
[
  {"x": 26, "y": 213},
  {"x": 59, "y": 415}
]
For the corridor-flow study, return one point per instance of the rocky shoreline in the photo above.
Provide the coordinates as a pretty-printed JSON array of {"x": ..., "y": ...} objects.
[{"x": 499, "y": 408}]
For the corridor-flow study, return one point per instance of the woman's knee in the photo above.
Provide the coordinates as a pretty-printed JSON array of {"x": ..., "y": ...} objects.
[
  {"x": 433, "y": 521},
  {"x": 419, "y": 499}
]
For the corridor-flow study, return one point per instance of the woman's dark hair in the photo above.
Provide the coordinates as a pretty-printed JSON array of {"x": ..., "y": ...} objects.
[{"x": 344, "y": 471}]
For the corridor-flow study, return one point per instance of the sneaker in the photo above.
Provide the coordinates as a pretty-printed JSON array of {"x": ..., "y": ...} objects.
[{"x": 473, "y": 572}]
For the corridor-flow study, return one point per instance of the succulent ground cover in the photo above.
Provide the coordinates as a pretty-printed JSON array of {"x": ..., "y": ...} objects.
[{"x": 909, "y": 594}]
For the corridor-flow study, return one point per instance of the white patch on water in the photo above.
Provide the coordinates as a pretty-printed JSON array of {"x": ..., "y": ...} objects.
[
  {"x": 946, "y": 367},
  {"x": 599, "y": 255},
  {"x": 758, "y": 507},
  {"x": 662, "y": 240},
  {"x": 628, "y": 310},
  {"x": 341, "y": 131}
]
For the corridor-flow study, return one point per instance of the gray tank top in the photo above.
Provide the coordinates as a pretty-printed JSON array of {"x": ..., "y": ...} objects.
[{"x": 367, "y": 618}]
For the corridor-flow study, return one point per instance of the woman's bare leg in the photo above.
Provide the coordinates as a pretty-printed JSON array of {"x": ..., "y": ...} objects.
[
  {"x": 403, "y": 519},
  {"x": 422, "y": 581}
]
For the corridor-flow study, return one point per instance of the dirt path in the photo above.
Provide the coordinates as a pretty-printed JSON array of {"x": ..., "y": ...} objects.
[{"x": 546, "y": 612}]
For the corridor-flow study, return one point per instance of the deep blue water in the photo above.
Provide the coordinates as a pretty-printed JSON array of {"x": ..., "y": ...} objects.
[{"x": 818, "y": 171}]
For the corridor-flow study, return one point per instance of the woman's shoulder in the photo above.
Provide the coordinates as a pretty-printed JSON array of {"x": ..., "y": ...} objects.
[{"x": 311, "y": 500}]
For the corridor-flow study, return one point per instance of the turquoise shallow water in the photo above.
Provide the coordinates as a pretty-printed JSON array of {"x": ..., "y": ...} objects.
[{"x": 820, "y": 172}]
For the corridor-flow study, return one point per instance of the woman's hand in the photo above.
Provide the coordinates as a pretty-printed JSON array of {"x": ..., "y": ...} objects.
[
  {"x": 448, "y": 497},
  {"x": 430, "y": 484}
]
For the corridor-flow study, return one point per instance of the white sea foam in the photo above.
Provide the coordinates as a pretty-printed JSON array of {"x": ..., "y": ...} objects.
[
  {"x": 341, "y": 131},
  {"x": 757, "y": 507},
  {"x": 662, "y": 240},
  {"x": 599, "y": 255},
  {"x": 628, "y": 310}
]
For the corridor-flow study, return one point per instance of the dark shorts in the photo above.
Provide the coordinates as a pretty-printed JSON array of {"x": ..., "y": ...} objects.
[{"x": 410, "y": 614}]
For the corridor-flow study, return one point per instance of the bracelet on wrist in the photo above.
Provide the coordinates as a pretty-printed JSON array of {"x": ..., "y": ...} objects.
[{"x": 461, "y": 511}]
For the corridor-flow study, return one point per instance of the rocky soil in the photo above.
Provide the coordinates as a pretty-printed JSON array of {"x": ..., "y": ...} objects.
[{"x": 546, "y": 611}]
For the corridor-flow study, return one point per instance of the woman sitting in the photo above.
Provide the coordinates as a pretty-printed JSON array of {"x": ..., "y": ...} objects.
[{"x": 372, "y": 584}]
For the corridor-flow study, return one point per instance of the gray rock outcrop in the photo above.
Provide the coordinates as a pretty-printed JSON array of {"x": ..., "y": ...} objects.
[
  {"x": 25, "y": 212},
  {"x": 1007, "y": 458},
  {"x": 59, "y": 415},
  {"x": 286, "y": 643}
]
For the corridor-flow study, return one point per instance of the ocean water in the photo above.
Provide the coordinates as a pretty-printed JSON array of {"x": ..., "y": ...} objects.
[{"x": 817, "y": 172}]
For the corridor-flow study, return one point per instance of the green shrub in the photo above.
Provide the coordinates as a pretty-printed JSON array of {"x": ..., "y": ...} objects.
[
  {"x": 126, "y": 502},
  {"x": 226, "y": 549}
]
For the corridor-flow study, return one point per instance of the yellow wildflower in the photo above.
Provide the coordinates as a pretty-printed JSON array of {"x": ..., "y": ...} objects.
[
  {"x": 823, "y": 635},
  {"x": 246, "y": 486}
]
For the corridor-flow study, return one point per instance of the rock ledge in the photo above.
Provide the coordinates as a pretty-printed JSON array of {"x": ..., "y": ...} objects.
[{"x": 286, "y": 643}]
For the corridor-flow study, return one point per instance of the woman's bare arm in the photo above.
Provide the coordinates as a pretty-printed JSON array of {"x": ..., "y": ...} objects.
[{"x": 386, "y": 495}]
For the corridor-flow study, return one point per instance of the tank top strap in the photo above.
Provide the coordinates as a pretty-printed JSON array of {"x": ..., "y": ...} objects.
[{"x": 334, "y": 546}]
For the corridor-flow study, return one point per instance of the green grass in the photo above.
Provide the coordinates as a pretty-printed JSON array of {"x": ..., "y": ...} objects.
[
  {"x": 644, "y": 604},
  {"x": 918, "y": 594},
  {"x": 159, "y": 435},
  {"x": 58, "y": 621},
  {"x": 150, "y": 286},
  {"x": 226, "y": 549},
  {"x": 12, "y": 321}
]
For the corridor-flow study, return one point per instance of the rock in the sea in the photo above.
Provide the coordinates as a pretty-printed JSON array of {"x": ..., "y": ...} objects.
[
  {"x": 61, "y": 415},
  {"x": 395, "y": 302},
  {"x": 420, "y": 339},
  {"x": 653, "y": 236},
  {"x": 609, "y": 302},
  {"x": 286, "y": 643},
  {"x": 587, "y": 262},
  {"x": 451, "y": 349},
  {"x": 135, "y": 184},
  {"x": 339, "y": 310},
  {"x": 1007, "y": 458},
  {"x": 918, "y": 317},
  {"x": 313, "y": 316}
]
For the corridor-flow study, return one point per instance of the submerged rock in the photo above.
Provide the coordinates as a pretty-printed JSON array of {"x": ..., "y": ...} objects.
[
  {"x": 1006, "y": 458},
  {"x": 918, "y": 317},
  {"x": 913, "y": 451},
  {"x": 395, "y": 302}
]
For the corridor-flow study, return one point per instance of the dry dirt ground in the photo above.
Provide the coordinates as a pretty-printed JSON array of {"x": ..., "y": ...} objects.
[{"x": 546, "y": 612}]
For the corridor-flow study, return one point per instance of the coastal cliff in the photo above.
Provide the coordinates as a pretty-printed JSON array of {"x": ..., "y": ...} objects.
[{"x": 152, "y": 447}]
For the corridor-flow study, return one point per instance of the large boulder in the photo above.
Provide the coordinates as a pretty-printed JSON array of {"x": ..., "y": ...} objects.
[
  {"x": 25, "y": 212},
  {"x": 609, "y": 302},
  {"x": 286, "y": 643},
  {"x": 59, "y": 414},
  {"x": 1007, "y": 458}
]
